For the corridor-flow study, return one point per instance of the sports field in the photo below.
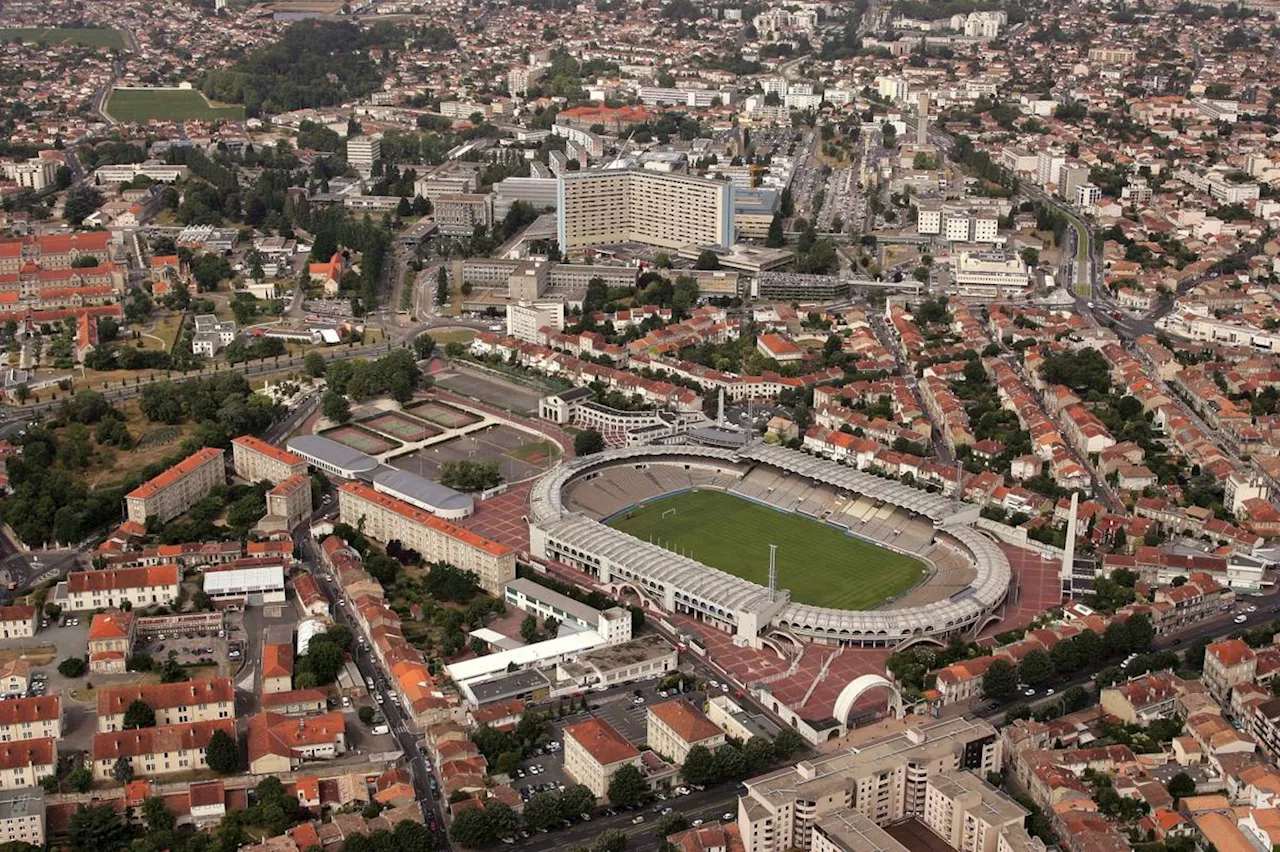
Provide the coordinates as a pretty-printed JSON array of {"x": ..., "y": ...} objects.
[
  {"x": 821, "y": 565},
  {"x": 443, "y": 414},
  {"x": 88, "y": 36},
  {"x": 166, "y": 105},
  {"x": 360, "y": 439},
  {"x": 401, "y": 426}
]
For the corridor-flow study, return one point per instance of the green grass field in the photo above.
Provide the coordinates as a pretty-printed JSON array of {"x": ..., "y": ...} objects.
[
  {"x": 820, "y": 564},
  {"x": 89, "y": 37},
  {"x": 166, "y": 105}
]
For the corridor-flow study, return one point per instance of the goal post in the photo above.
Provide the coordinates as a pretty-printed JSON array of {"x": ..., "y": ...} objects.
[{"x": 668, "y": 512}]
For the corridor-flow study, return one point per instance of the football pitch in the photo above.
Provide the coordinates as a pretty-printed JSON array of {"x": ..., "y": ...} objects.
[
  {"x": 820, "y": 564},
  {"x": 167, "y": 105}
]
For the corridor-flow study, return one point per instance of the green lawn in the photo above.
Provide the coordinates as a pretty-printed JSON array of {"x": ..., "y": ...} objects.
[
  {"x": 820, "y": 564},
  {"x": 166, "y": 105},
  {"x": 90, "y": 37}
]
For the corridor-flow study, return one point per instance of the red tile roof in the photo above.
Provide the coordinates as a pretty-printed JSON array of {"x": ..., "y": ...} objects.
[
  {"x": 688, "y": 723},
  {"x": 602, "y": 741},
  {"x": 257, "y": 445},
  {"x": 17, "y": 755},
  {"x": 427, "y": 519},
  {"x": 141, "y": 741},
  {"x": 175, "y": 473},
  {"x": 122, "y": 578},
  {"x": 17, "y": 711},
  {"x": 190, "y": 693}
]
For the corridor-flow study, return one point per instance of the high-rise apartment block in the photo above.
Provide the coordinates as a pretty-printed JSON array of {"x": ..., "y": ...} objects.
[
  {"x": 363, "y": 152},
  {"x": 178, "y": 488},
  {"x": 659, "y": 209},
  {"x": 886, "y": 781},
  {"x": 255, "y": 460}
]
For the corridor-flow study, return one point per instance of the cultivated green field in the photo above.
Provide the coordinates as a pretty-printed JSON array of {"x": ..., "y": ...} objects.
[
  {"x": 166, "y": 105},
  {"x": 820, "y": 564},
  {"x": 89, "y": 37}
]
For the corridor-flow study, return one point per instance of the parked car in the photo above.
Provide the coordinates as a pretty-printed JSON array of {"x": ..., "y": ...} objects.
[{"x": 378, "y": 730}]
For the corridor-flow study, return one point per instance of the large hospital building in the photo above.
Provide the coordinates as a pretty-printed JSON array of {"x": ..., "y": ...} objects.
[{"x": 634, "y": 205}]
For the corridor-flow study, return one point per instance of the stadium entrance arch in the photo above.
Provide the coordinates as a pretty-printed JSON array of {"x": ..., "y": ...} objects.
[{"x": 864, "y": 683}]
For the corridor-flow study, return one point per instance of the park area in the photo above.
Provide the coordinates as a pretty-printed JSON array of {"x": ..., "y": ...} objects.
[
  {"x": 87, "y": 36},
  {"x": 402, "y": 427},
  {"x": 137, "y": 105},
  {"x": 821, "y": 565},
  {"x": 444, "y": 415},
  {"x": 361, "y": 439}
]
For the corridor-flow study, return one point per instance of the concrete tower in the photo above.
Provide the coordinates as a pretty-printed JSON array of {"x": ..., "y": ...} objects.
[
  {"x": 1069, "y": 552},
  {"x": 922, "y": 119}
]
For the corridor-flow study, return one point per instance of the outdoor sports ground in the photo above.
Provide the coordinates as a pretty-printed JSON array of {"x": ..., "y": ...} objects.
[
  {"x": 88, "y": 36},
  {"x": 167, "y": 105},
  {"x": 821, "y": 565}
]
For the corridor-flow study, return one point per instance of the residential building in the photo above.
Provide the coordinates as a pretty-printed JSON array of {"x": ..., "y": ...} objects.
[
  {"x": 675, "y": 727},
  {"x": 525, "y": 320},
  {"x": 162, "y": 750},
  {"x": 110, "y": 642},
  {"x": 35, "y": 718},
  {"x": 1227, "y": 663},
  {"x": 969, "y": 814},
  {"x": 386, "y": 519},
  {"x": 17, "y": 622},
  {"x": 635, "y": 205},
  {"x": 178, "y": 488},
  {"x": 15, "y": 678},
  {"x": 211, "y": 336},
  {"x": 173, "y": 703},
  {"x": 156, "y": 585},
  {"x": 22, "y": 817},
  {"x": 288, "y": 504},
  {"x": 614, "y": 623},
  {"x": 1142, "y": 700},
  {"x": 593, "y": 753},
  {"x": 886, "y": 781},
  {"x": 363, "y": 152},
  {"x": 24, "y": 763},
  {"x": 458, "y": 214},
  {"x": 279, "y": 743},
  {"x": 254, "y": 460},
  {"x": 277, "y": 662},
  {"x": 989, "y": 275}
]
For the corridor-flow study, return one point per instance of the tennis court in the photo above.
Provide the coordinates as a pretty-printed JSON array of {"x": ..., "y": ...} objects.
[
  {"x": 519, "y": 454},
  {"x": 444, "y": 415},
  {"x": 401, "y": 426},
  {"x": 359, "y": 438}
]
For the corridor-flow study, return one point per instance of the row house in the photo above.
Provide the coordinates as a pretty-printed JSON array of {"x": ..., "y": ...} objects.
[
  {"x": 173, "y": 703},
  {"x": 162, "y": 750}
]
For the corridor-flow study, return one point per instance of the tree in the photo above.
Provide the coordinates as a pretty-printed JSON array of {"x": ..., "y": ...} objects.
[
  {"x": 1000, "y": 681},
  {"x": 1194, "y": 655},
  {"x": 313, "y": 363},
  {"x": 787, "y": 743},
  {"x": 588, "y": 442},
  {"x": 576, "y": 799},
  {"x": 423, "y": 346},
  {"x": 334, "y": 406},
  {"x": 1182, "y": 785},
  {"x": 542, "y": 811},
  {"x": 100, "y": 828},
  {"x": 612, "y": 840},
  {"x": 471, "y": 828},
  {"x": 139, "y": 715},
  {"x": 699, "y": 767},
  {"x": 776, "y": 237},
  {"x": 627, "y": 788},
  {"x": 122, "y": 771},
  {"x": 707, "y": 259},
  {"x": 81, "y": 202},
  {"x": 157, "y": 815},
  {"x": 670, "y": 824},
  {"x": 73, "y": 667},
  {"x": 366, "y": 714},
  {"x": 1036, "y": 668},
  {"x": 80, "y": 780},
  {"x": 442, "y": 286},
  {"x": 1138, "y": 633},
  {"x": 529, "y": 629},
  {"x": 222, "y": 753}
]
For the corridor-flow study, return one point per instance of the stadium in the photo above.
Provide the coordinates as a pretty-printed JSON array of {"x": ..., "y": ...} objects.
[{"x": 872, "y": 562}]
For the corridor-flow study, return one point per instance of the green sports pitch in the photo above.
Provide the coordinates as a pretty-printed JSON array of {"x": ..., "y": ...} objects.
[
  {"x": 167, "y": 105},
  {"x": 87, "y": 36},
  {"x": 820, "y": 564}
]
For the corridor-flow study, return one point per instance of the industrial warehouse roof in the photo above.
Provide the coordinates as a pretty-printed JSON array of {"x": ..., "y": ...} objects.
[
  {"x": 331, "y": 452},
  {"x": 423, "y": 492}
]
